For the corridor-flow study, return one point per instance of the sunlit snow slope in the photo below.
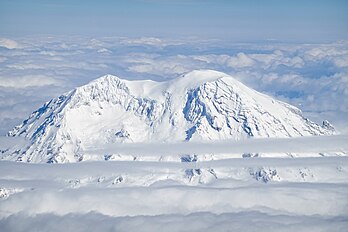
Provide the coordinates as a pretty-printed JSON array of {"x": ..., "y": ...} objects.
[{"x": 199, "y": 106}]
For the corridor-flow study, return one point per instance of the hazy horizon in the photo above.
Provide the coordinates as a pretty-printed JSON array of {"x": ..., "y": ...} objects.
[{"x": 301, "y": 21}]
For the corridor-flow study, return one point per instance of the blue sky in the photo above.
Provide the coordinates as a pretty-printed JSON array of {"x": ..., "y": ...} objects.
[{"x": 251, "y": 20}]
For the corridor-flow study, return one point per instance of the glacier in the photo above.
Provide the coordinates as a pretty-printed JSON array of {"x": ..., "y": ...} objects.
[{"x": 202, "y": 105}]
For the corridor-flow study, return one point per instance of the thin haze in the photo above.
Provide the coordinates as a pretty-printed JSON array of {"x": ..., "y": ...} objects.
[{"x": 251, "y": 20}]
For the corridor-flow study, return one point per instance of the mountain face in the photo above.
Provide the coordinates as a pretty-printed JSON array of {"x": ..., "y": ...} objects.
[{"x": 199, "y": 106}]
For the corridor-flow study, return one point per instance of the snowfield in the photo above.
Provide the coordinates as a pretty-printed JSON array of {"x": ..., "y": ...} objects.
[{"x": 202, "y": 105}]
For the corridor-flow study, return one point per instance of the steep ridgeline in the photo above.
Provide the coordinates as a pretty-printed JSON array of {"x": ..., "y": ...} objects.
[{"x": 201, "y": 105}]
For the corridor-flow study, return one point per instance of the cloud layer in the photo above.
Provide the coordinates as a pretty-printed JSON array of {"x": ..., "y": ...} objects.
[
  {"x": 313, "y": 77},
  {"x": 248, "y": 221},
  {"x": 172, "y": 196}
]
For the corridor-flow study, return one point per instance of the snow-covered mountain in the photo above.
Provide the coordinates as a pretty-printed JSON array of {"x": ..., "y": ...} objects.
[{"x": 201, "y": 105}]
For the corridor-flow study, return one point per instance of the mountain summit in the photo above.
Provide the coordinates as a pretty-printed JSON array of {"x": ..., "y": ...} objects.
[{"x": 198, "y": 106}]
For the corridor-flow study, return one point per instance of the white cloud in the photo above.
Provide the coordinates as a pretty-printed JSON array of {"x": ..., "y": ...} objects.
[
  {"x": 104, "y": 50},
  {"x": 144, "y": 41},
  {"x": 341, "y": 62},
  {"x": 83, "y": 195},
  {"x": 25, "y": 66},
  {"x": 163, "y": 66},
  {"x": 248, "y": 221},
  {"x": 27, "y": 81},
  {"x": 9, "y": 43},
  {"x": 325, "y": 51},
  {"x": 152, "y": 41},
  {"x": 241, "y": 60}
]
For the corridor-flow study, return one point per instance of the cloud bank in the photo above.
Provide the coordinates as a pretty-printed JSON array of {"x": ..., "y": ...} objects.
[
  {"x": 313, "y": 77},
  {"x": 248, "y": 221},
  {"x": 157, "y": 195}
]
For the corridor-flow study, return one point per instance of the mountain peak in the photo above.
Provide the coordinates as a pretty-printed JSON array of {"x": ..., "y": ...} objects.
[
  {"x": 196, "y": 78},
  {"x": 106, "y": 80},
  {"x": 200, "y": 105},
  {"x": 201, "y": 76}
]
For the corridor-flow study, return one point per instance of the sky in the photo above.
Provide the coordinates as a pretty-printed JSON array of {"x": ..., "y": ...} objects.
[{"x": 251, "y": 20}]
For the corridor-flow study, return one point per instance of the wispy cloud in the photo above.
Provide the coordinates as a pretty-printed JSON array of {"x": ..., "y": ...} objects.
[
  {"x": 9, "y": 43},
  {"x": 27, "y": 81}
]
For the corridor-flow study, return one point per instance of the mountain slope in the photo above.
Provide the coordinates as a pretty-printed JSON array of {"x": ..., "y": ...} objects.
[{"x": 201, "y": 105}]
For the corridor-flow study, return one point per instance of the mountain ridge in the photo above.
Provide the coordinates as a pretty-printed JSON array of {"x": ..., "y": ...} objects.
[{"x": 198, "y": 106}]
